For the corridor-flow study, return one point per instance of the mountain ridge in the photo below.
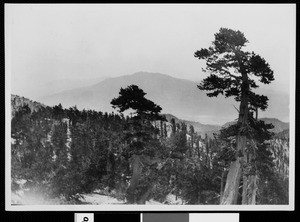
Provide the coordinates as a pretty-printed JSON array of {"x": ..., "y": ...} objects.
[
  {"x": 180, "y": 97},
  {"x": 279, "y": 126}
]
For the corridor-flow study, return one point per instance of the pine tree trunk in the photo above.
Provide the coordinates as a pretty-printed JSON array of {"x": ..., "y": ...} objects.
[
  {"x": 235, "y": 171},
  {"x": 253, "y": 180},
  {"x": 254, "y": 190},
  {"x": 136, "y": 174},
  {"x": 222, "y": 184},
  {"x": 249, "y": 187},
  {"x": 145, "y": 196},
  {"x": 234, "y": 175},
  {"x": 245, "y": 190},
  {"x": 232, "y": 184}
]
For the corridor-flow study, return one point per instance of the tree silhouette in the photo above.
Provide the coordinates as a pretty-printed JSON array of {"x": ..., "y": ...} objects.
[
  {"x": 140, "y": 133},
  {"x": 235, "y": 72},
  {"x": 133, "y": 97}
]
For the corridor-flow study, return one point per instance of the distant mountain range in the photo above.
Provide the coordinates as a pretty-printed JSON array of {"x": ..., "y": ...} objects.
[
  {"x": 180, "y": 97},
  {"x": 57, "y": 86}
]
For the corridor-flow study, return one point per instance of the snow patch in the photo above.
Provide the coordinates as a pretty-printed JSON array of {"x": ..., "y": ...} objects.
[{"x": 97, "y": 199}]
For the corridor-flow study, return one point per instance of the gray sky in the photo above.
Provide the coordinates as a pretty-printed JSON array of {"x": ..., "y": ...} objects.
[{"x": 51, "y": 42}]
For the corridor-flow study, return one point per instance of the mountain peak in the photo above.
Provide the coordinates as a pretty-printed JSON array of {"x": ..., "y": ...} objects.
[
  {"x": 181, "y": 97},
  {"x": 141, "y": 75},
  {"x": 151, "y": 74}
]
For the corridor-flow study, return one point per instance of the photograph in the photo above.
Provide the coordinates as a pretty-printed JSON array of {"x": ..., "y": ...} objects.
[{"x": 150, "y": 107}]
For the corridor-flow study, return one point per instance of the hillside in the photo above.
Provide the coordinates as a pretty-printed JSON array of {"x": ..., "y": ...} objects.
[
  {"x": 79, "y": 157},
  {"x": 200, "y": 128},
  {"x": 279, "y": 126},
  {"x": 18, "y": 101},
  {"x": 281, "y": 129},
  {"x": 285, "y": 134},
  {"x": 180, "y": 97}
]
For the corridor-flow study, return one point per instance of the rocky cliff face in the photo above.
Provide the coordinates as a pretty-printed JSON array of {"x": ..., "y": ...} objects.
[
  {"x": 280, "y": 150},
  {"x": 17, "y": 102}
]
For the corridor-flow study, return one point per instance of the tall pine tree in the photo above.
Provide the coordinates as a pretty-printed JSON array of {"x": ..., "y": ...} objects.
[{"x": 235, "y": 72}]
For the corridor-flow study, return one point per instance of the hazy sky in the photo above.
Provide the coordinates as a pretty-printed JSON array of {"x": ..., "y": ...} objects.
[{"x": 50, "y": 42}]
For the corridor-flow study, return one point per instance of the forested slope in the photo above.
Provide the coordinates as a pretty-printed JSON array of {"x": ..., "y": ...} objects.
[{"x": 67, "y": 154}]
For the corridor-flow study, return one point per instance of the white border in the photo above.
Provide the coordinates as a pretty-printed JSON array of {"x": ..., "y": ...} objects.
[
  {"x": 9, "y": 207},
  {"x": 213, "y": 217},
  {"x": 292, "y": 114},
  {"x": 7, "y": 34},
  {"x": 129, "y": 207}
]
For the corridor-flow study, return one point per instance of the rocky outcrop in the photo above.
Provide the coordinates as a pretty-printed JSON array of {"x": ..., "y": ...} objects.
[{"x": 17, "y": 102}]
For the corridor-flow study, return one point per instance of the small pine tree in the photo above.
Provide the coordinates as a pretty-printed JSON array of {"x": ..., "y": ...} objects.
[{"x": 140, "y": 131}]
